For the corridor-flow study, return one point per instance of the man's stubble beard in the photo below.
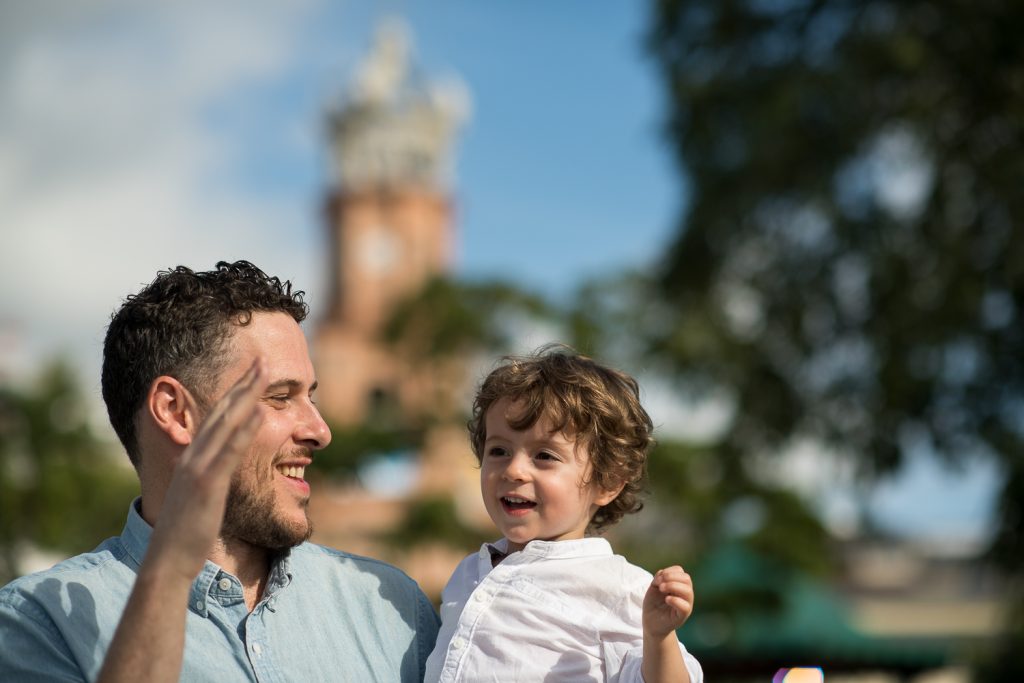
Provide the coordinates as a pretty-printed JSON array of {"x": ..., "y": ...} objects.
[{"x": 251, "y": 516}]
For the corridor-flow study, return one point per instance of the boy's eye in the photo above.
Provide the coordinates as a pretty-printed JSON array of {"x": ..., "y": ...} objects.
[
  {"x": 544, "y": 455},
  {"x": 496, "y": 451}
]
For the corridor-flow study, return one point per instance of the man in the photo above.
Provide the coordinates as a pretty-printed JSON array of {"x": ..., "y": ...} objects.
[{"x": 209, "y": 386}]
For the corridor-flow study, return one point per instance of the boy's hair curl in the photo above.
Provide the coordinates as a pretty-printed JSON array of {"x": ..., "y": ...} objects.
[{"x": 596, "y": 405}]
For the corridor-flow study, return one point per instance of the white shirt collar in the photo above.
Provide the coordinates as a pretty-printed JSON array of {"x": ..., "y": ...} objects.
[{"x": 537, "y": 550}]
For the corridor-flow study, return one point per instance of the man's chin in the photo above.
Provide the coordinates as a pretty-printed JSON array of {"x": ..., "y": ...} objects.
[
  {"x": 274, "y": 535},
  {"x": 302, "y": 534},
  {"x": 290, "y": 535}
]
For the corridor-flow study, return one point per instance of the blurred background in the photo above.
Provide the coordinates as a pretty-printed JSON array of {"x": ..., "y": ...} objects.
[{"x": 797, "y": 223}]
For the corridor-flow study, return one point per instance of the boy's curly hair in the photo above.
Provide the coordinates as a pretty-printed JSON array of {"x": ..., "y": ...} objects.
[
  {"x": 596, "y": 405},
  {"x": 180, "y": 325}
]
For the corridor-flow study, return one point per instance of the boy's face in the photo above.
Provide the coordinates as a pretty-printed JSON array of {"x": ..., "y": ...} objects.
[{"x": 533, "y": 481}]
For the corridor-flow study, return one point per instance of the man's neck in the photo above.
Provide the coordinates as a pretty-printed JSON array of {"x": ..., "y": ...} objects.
[{"x": 249, "y": 564}]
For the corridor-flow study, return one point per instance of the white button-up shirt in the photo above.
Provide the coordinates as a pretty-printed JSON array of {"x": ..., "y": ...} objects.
[{"x": 555, "y": 611}]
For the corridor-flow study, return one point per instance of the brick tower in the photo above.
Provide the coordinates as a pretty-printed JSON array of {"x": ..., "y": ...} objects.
[{"x": 390, "y": 222}]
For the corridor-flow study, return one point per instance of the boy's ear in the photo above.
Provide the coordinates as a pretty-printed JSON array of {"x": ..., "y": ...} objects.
[
  {"x": 173, "y": 409},
  {"x": 605, "y": 496}
]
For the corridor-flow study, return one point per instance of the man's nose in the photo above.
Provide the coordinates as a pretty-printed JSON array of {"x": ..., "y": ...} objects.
[{"x": 313, "y": 431}]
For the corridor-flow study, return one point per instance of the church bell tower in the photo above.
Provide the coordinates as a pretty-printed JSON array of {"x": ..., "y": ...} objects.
[{"x": 389, "y": 218}]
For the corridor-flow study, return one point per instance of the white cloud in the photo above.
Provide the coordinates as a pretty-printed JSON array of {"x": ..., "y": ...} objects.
[{"x": 110, "y": 169}]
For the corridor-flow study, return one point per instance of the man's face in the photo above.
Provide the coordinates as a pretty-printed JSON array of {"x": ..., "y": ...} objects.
[{"x": 268, "y": 500}]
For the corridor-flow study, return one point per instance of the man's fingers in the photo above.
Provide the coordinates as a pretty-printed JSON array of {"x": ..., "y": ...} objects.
[
  {"x": 230, "y": 452},
  {"x": 235, "y": 410}
]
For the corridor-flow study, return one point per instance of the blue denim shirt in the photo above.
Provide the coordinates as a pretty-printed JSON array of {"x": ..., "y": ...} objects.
[{"x": 325, "y": 616}]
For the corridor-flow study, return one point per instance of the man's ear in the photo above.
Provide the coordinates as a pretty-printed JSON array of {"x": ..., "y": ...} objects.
[{"x": 173, "y": 409}]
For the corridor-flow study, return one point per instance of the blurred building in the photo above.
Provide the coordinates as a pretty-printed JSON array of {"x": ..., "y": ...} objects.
[
  {"x": 390, "y": 226},
  {"x": 918, "y": 594},
  {"x": 390, "y": 221}
]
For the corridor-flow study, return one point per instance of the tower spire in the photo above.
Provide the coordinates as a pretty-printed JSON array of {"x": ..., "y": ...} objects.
[{"x": 395, "y": 129}]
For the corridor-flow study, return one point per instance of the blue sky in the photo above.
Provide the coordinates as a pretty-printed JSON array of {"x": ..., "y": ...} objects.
[
  {"x": 563, "y": 148},
  {"x": 136, "y": 137}
]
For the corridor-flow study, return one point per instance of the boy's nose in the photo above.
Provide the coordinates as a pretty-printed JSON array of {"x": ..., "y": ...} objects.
[{"x": 517, "y": 468}]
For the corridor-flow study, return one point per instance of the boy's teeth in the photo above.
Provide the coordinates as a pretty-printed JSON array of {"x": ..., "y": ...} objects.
[{"x": 292, "y": 471}]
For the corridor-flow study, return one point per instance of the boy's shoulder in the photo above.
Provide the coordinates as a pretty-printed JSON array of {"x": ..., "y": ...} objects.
[{"x": 625, "y": 573}]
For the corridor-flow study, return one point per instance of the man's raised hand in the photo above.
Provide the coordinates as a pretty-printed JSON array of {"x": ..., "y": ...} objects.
[{"x": 193, "y": 508}]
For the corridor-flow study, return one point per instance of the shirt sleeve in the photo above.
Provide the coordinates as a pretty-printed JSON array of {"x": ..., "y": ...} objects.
[
  {"x": 623, "y": 659},
  {"x": 630, "y": 668},
  {"x": 427, "y": 623},
  {"x": 34, "y": 649}
]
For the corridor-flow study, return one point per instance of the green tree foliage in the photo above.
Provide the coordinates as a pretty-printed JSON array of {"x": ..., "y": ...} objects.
[
  {"x": 62, "y": 488},
  {"x": 435, "y": 518},
  {"x": 352, "y": 446},
  {"x": 448, "y": 319},
  {"x": 707, "y": 494},
  {"x": 699, "y": 502},
  {"x": 851, "y": 264}
]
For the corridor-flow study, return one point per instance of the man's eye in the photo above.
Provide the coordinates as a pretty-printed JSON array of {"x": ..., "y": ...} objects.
[{"x": 279, "y": 398}]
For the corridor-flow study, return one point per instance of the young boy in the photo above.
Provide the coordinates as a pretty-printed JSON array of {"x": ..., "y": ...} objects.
[{"x": 562, "y": 443}]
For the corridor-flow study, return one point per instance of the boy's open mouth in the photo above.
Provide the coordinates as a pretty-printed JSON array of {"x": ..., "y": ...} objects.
[{"x": 515, "y": 503}]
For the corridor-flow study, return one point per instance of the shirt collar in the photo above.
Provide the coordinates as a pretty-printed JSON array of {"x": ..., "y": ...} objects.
[
  {"x": 135, "y": 538},
  {"x": 200, "y": 595},
  {"x": 581, "y": 547}
]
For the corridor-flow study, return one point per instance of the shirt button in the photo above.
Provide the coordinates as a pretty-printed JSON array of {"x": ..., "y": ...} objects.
[
  {"x": 200, "y": 604},
  {"x": 256, "y": 649},
  {"x": 224, "y": 584},
  {"x": 480, "y": 596},
  {"x": 458, "y": 644}
]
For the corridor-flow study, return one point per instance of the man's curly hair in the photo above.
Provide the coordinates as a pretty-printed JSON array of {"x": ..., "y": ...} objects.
[
  {"x": 179, "y": 325},
  {"x": 596, "y": 405}
]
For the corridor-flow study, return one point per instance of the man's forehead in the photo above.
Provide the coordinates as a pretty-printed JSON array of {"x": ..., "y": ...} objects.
[{"x": 278, "y": 339}]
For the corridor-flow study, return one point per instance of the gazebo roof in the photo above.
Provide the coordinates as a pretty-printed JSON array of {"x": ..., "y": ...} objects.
[{"x": 755, "y": 614}]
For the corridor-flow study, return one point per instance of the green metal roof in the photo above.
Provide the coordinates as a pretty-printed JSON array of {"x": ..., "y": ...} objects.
[{"x": 748, "y": 607}]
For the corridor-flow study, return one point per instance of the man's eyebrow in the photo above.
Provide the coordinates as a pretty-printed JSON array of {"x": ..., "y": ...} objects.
[{"x": 290, "y": 385}]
